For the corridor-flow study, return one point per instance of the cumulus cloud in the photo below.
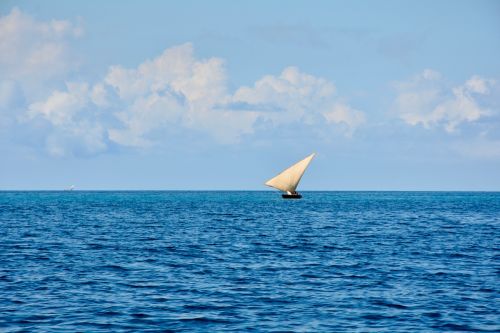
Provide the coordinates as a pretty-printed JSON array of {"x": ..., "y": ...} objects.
[
  {"x": 297, "y": 97},
  {"x": 177, "y": 91},
  {"x": 75, "y": 126},
  {"x": 61, "y": 106},
  {"x": 173, "y": 90},
  {"x": 143, "y": 106},
  {"x": 290, "y": 90},
  {"x": 30, "y": 49},
  {"x": 344, "y": 114},
  {"x": 34, "y": 57},
  {"x": 427, "y": 100}
]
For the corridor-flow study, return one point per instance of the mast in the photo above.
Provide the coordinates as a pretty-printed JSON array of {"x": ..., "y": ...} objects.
[{"x": 288, "y": 179}]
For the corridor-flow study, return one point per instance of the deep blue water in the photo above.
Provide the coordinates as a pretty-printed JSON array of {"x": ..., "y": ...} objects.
[{"x": 236, "y": 261}]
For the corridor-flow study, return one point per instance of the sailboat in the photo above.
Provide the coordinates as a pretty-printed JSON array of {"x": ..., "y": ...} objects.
[{"x": 288, "y": 179}]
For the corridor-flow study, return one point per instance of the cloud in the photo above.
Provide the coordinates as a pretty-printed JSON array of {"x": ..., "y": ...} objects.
[
  {"x": 176, "y": 89},
  {"x": 297, "y": 97},
  {"x": 176, "y": 92},
  {"x": 145, "y": 114},
  {"x": 33, "y": 50},
  {"x": 175, "y": 69},
  {"x": 290, "y": 89},
  {"x": 344, "y": 114},
  {"x": 61, "y": 106},
  {"x": 170, "y": 95},
  {"x": 35, "y": 56},
  {"x": 427, "y": 100},
  {"x": 75, "y": 126}
]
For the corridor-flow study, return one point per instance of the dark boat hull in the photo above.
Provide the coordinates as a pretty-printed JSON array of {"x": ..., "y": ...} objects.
[{"x": 291, "y": 196}]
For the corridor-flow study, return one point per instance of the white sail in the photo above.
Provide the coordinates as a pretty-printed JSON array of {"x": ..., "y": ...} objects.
[{"x": 288, "y": 180}]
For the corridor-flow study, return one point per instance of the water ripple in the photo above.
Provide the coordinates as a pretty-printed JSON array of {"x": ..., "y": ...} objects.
[{"x": 237, "y": 261}]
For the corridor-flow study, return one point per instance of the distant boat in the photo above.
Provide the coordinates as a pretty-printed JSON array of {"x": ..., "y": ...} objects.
[
  {"x": 71, "y": 188},
  {"x": 288, "y": 179}
]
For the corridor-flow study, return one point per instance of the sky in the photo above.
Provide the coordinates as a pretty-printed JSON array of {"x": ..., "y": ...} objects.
[{"x": 223, "y": 95}]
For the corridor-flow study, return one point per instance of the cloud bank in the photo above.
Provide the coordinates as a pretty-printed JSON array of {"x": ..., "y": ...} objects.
[
  {"x": 178, "y": 96},
  {"x": 141, "y": 107},
  {"x": 177, "y": 91}
]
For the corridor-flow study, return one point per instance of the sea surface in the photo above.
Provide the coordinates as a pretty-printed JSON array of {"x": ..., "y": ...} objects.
[{"x": 174, "y": 261}]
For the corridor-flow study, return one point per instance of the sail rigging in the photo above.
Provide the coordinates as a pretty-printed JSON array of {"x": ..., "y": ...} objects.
[{"x": 288, "y": 179}]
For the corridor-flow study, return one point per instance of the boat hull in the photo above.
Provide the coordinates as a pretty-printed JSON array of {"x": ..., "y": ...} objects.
[{"x": 291, "y": 196}]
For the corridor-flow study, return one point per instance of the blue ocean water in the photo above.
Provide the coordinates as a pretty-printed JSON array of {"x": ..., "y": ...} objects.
[{"x": 249, "y": 261}]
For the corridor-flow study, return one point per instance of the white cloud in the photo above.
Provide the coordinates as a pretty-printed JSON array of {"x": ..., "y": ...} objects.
[
  {"x": 428, "y": 101},
  {"x": 343, "y": 114},
  {"x": 61, "y": 106},
  {"x": 478, "y": 85},
  {"x": 177, "y": 91},
  {"x": 140, "y": 107},
  {"x": 174, "y": 89},
  {"x": 99, "y": 95},
  {"x": 297, "y": 97},
  {"x": 32, "y": 50},
  {"x": 144, "y": 115},
  {"x": 176, "y": 70},
  {"x": 34, "y": 57},
  {"x": 75, "y": 129},
  {"x": 290, "y": 90},
  {"x": 80, "y": 138}
]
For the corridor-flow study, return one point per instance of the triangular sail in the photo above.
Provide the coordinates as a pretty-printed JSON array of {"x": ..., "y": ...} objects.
[{"x": 288, "y": 180}]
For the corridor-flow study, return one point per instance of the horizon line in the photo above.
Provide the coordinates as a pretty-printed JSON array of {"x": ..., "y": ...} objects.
[{"x": 234, "y": 190}]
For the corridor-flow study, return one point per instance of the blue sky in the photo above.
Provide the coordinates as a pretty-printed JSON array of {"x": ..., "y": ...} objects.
[{"x": 392, "y": 95}]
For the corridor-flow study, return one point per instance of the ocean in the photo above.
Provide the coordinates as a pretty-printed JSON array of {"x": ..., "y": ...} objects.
[{"x": 195, "y": 261}]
